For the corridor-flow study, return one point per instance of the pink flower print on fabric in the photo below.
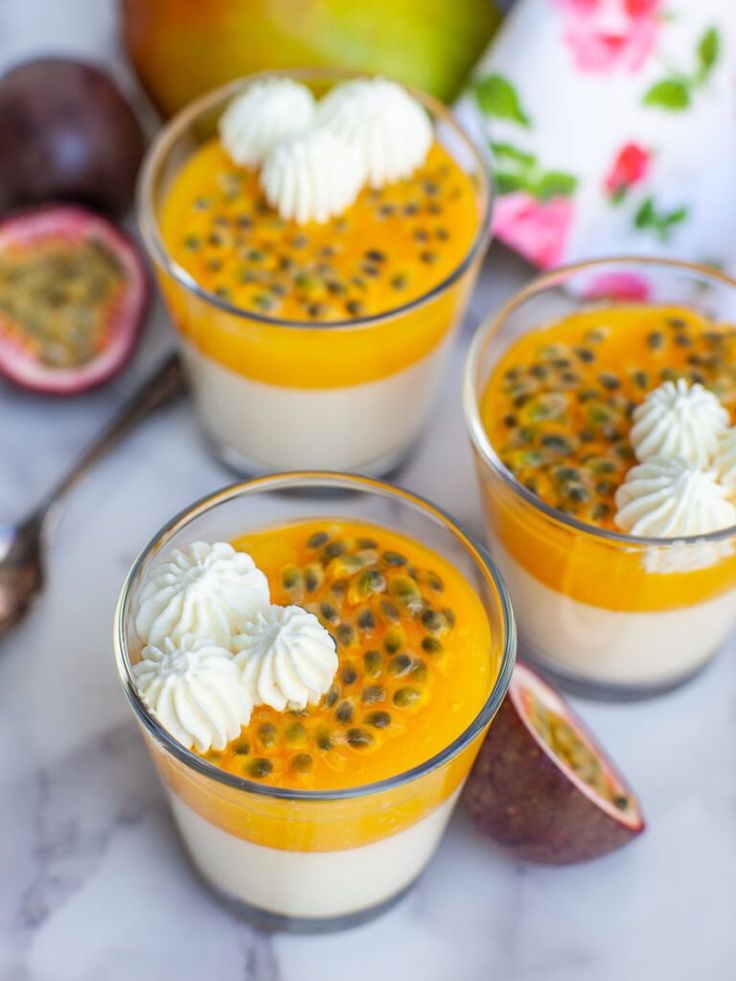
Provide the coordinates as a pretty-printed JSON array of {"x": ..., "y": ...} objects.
[
  {"x": 538, "y": 230},
  {"x": 630, "y": 167},
  {"x": 609, "y": 35}
]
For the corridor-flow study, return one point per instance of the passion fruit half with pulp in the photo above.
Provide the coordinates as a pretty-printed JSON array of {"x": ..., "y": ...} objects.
[
  {"x": 542, "y": 787},
  {"x": 73, "y": 294}
]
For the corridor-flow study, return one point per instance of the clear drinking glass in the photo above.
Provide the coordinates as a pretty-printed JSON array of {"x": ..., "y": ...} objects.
[
  {"x": 607, "y": 613},
  {"x": 300, "y": 859},
  {"x": 275, "y": 394}
]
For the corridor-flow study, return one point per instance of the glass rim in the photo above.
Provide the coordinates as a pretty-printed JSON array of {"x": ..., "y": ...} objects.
[
  {"x": 150, "y": 227},
  {"x": 471, "y": 398},
  {"x": 325, "y": 479}
]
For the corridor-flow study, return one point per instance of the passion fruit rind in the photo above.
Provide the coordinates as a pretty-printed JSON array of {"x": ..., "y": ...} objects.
[
  {"x": 389, "y": 625},
  {"x": 526, "y": 801}
]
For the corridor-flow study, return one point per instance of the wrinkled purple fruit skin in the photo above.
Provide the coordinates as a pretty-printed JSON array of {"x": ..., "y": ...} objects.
[
  {"x": 66, "y": 134},
  {"x": 519, "y": 797}
]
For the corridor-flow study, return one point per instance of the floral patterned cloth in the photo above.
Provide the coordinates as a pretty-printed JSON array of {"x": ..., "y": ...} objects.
[{"x": 612, "y": 124}]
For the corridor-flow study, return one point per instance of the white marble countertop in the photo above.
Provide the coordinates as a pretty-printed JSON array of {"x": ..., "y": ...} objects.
[{"x": 93, "y": 881}]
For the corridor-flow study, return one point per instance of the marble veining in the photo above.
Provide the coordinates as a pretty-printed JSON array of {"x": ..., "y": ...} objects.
[{"x": 93, "y": 881}]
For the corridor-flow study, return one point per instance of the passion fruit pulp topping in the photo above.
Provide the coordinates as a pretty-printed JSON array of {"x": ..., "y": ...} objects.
[
  {"x": 574, "y": 751},
  {"x": 389, "y": 248},
  {"x": 558, "y": 405},
  {"x": 413, "y": 646},
  {"x": 58, "y": 298}
]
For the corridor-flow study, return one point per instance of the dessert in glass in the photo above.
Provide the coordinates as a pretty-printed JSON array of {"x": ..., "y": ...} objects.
[
  {"x": 316, "y": 238},
  {"x": 314, "y": 660},
  {"x": 600, "y": 404}
]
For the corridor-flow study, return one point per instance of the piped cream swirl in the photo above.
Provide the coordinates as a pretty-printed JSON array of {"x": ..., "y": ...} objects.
[
  {"x": 667, "y": 497},
  {"x": 388, "y": 128},
  {"x": 287, "y": 658},
  {"x": 312, "y": 177},
  {"x": 205, "y": 590},
  {"x": 679, "y": 420},
  {"x": 268, "y": 111},
  {"x": 195, "y": 690}
]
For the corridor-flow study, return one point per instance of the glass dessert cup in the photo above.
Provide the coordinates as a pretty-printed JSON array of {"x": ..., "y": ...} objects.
[
  {"x": 316, "y": 859},
  {"x": 277, "y": 394},
  {"x": 607, "y": 613}
]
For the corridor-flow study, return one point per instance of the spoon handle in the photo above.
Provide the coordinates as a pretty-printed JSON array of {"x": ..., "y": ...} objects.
[{"x": 164, "y": 385}]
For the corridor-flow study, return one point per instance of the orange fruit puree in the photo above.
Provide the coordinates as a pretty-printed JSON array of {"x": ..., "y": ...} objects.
[
  {"x": 413, "y": 645},
  {"x": 416, "y": 664},
  {"x": 557, "y": 410},
  {"x": 391, "y": 247}
]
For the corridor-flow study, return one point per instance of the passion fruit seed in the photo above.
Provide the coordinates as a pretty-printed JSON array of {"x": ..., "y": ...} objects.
[
  {"x": 260, "y": 768},
  {"x": 366, "y": 621},
  {"x": 399, "y": 665},
  {"x": 379, "y": 720},
  {"x": 372, "y": 662},
  {"x": 318, "y": 539},
  {"x": 302, "y": 763},
  {"x": 430, "y": 645},
  {"x": 404, "y": 589},
  {"x": 359, "y": 738},
  {"x": 267, "y": 734},
  {"x": 394, "y": 640},
  {"x": 406, "y": 697},
  {"x": 296, "y": 734},
  {"x": 393, "y": 558},
  {"x": 344, "y": 712},
  {"x": 373, "y": 694},
  {"x": 313, "y": 576}
]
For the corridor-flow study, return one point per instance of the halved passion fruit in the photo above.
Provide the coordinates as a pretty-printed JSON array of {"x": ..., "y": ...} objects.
[
  {"x": 73, "y": 293},
  {"x": 542, "y": 788}
]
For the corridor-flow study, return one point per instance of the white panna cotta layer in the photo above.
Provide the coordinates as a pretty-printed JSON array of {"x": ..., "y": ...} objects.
[
  {"x": 357, "y": 427},
  {"x": 310, "y": 884},
  {"x": 640, "y": 648}
]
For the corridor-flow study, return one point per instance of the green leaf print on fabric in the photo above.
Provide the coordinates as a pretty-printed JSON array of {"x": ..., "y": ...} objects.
[
  {"x": 675, "y": 92},
  {"x": 670, "y": 93},
  {"x": 660, "y": 222},
  {"x": 497, "y": 97},
  {"x": 709, "y": 50},
  {"x": 518, "y": 170}
]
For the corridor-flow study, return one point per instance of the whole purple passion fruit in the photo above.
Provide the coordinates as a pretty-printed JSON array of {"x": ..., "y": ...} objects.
[
  {"x": 542, "y": 788},
  {"x": 66, "y": 134},
  {"x": 73, "y": 293}
]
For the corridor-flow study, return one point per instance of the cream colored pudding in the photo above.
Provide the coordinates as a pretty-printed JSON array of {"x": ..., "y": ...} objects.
[
  {"x": 321, "y": 268},
  {"x": 647, "y": 648},
  {"x": 364, "y": 427},
  {"x": 610, "y": 512},
  {"x": 311, "y": 884}
]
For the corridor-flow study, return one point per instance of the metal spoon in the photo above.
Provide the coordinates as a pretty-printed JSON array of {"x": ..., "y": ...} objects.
[{"x": 22, "y": 546}]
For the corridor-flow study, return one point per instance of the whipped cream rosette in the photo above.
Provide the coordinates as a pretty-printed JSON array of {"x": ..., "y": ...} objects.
[
  {"x": 679, "y": 420},
  {"x": 312, "y": 177},
  {"x": 195, "y": 690},
  {"x": 205, "y": 590},
  {"x": 666, "y": 497},
  {"x": 389, "y": 129},
  {"x": 268, "y": 111},
  {"x": 287, "y": 658}
]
